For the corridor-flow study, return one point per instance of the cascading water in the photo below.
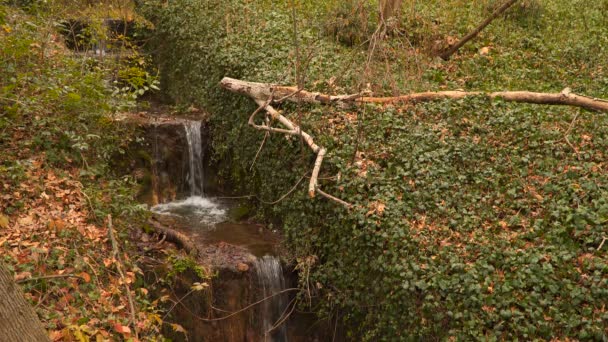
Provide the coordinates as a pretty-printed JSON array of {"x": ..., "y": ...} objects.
[
  {"x": 203, "y": 219},
  {"x": 196, "y": 206},
  {"x": 271, "y": 281},
  {"x": 195, "y": 157}
]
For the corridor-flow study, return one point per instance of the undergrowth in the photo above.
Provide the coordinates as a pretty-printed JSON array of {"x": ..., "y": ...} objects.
[{"x": 59, "y": 141}]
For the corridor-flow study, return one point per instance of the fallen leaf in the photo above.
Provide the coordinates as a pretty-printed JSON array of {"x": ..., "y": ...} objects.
[
  {"x": 242, "y": 267},
  {"x": 199, "y": 286},
  {"x": 24, "y": 221},
  {"x": 85, "y": 276},
  {"x": 178, "y": 328},
  {"x": 22, "y": 275},
  {"x": 3, "y": 221},
  {"x": 122, "y": 329}
]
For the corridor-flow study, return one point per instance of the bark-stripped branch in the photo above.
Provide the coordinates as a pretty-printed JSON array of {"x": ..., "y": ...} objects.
[
  {"x": 264, "y": 94},
  {"x": 263, "y": 91}
]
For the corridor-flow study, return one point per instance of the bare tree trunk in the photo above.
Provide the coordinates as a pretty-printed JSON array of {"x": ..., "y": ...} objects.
[
  {"x": 18, "y": 321},
  {"x": 389, "y": 8},
  {"x": 449, "y": 52}
]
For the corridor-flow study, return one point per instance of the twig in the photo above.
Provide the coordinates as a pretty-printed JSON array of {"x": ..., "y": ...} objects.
[
  {"x": 602, "y": 243},
  {"x": 259, "y": 150},
  {"x": 324, "y": 194},
  {"x": 449, "y": 52},
  {"x": 122, "y": 275},
  {"x": 179, "y": 301},
  {"x": 283, "y": 317},
  {"x": 52, "y": 276},
  {"x": 240, "y": 310},
  {"x": 568, "y": 140},
  {"x": 267, "y": 202},
  {"x": 286, "y": 194}
]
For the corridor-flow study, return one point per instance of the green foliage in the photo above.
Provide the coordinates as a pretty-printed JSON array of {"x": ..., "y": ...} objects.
[{"x": 179, "y": 264}]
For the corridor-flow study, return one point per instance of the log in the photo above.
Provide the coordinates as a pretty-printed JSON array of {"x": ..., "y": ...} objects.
[
  {"x": 263, "y": 91},
  {"x": 18, "y": 321},
  {"x": 181, "y": 240}
]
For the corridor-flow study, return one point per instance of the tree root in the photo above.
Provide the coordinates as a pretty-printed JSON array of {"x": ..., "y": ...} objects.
[{"x": 173, "y": 236}]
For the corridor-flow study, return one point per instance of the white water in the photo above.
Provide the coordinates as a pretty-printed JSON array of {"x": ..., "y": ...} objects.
[
  {"x": 205, "y": 210},
  {"x": 270, "y": 278},
  {"x": 195, "y": 157}
]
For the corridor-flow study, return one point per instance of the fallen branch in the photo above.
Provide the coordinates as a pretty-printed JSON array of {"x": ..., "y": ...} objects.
[
  {"x": 116, "y": 255},
  {"x": 263, "y": 91},
  {"x": 52, "y": 276},
  {"x": 264, "y": 96},
  {"x": 452, "y": 50},
  {"x": 564, "y": 98},
  {"x": 181, "y": 240}
]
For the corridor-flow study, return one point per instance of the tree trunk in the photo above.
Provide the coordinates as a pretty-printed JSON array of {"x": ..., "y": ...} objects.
[
  {"x": 389, "y": 8},
  {"x": 18, "y": 321}
]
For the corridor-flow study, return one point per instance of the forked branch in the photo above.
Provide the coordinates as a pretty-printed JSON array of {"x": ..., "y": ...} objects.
[{"x": 264, "y": 95}]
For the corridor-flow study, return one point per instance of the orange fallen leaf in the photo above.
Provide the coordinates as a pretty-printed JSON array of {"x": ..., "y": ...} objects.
[
  {"x": 122, "y": 329},
  {"x": 85, "y": 276}
]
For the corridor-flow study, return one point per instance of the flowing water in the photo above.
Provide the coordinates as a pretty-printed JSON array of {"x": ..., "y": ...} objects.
[
  {"x": 270, "y": 277},
  {"x": 195, "y": 160},
  {"x": 204, "y": 218}
]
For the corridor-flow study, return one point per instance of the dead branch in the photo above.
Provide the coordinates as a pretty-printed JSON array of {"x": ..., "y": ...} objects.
[
  {"x": 175, "y": 237},
  {"x": 449, "y": 52},
  {"x": 52, "y": 276},
  {"x": 116, "y": 255},
  {"x": 262, "y": 91},
  {"x": 263, "y": 95}
]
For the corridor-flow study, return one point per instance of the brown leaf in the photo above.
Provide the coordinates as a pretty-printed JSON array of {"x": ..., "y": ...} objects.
[
  {"x": 24, "y": 221},
  {"x": 85, "y": 276},
  {"x": 3, "y": 221},
  {"x": 22, "y": 275},
  {"x": 178, "y": 328},
  {"x": 122, "y": 329}
]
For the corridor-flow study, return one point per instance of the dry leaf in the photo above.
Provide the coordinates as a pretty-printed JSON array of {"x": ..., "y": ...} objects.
[
  {"x": 24, "y": 221},
  {"x": 178, "y": 328},
  {"x": 3, "y": 221},
  {"x": 22, "y": 275},
  {"x": 122, "y": 329},
  {"x": 85, "y": 276}
]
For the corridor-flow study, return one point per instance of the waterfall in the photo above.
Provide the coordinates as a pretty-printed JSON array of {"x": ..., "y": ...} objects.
[
  {"x": 194, "y": 204},
  {"x": 270, "y": 279},
  {"x": 195, "y": 157}
]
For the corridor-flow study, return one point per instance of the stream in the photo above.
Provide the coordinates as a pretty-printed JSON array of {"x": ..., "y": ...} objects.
[{"x": 226, "y": 244}]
